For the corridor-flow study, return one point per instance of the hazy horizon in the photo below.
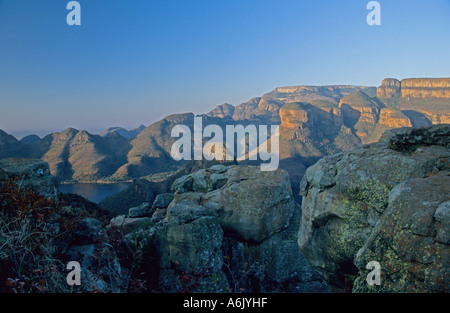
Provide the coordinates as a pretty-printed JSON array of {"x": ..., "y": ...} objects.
[
  {"x": 134, "y": 63},
  {"x": 19, "y": 134}
]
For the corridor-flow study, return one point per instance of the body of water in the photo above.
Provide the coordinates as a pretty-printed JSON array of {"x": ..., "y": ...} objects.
[{"x": 94, "y": 192}]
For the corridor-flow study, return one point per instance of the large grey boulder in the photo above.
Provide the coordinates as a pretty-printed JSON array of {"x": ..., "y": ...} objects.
[
  {"x": 345, "y": 195},
  {"x": 162, "y": 200},
  {"x": 251, "y": 205},
  {"x": 130, "y": 224},
  {"x": 233, "y": 229},
  {"x": 142, "y": 210}
]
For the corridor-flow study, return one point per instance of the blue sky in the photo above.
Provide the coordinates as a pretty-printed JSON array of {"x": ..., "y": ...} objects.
[{"x": 134, "y": 62}]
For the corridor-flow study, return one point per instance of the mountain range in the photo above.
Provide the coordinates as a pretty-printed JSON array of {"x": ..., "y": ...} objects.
[{"x": 314, "y": 121}]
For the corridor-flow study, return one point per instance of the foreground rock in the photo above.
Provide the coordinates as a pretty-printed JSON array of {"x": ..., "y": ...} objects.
[
  {"x": 48, "y": 229},
  {"x": 383, "y": 197},
  {"x": 411, "y": 239},
  {"x": 252, "y": 205},
  {"x": 30, "y": 174},
  {"x": 228, "y": 228}
]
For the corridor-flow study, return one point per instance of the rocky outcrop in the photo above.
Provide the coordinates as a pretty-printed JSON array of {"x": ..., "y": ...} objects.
[
  {"x": 302, "y": 117},
  {"x": 364, "y": 108},
  {"x": 238, "y": 226},
  {"x": 31, "y": 174},
  {"x": 295, "y": 115},
  {"x": 238, "y": 205},
  {"x": 310, "y": 93},
  {"x": 390, "y": 88},
  {"x": 229, "y": 228},
  {"x": 346, "y": 197}
]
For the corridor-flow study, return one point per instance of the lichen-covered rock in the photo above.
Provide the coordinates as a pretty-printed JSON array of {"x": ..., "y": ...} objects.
[
  {"x": 162, "y": 200},
  {"x": 202, "y": 181},
  {"x": 346, "y": 194},
  {"x": 140, "y": 211},
  {"x": 249, "y": 215},
  {"x": 32, "y": 174},
  {"x": 411, "y": 240},
  {"x": 442, "y": 216},
  {"x": 409, "y": 139},
  {"x": 194, "y": 241},
  {"x": 130, "y": 224},
  {"x": 252, "y": 205},
  {"x": 235, "y": 195}
]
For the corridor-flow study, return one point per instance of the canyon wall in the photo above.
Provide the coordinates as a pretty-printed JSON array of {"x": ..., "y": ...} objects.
[{"x": 415, "y": 88}]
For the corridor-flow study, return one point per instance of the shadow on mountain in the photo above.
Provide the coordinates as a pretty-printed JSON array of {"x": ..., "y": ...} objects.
[{"x": 417, "y": 119}]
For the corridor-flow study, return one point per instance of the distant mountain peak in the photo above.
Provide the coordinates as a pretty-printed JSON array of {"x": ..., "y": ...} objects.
[
  {"x": 128, "y": 134},
  {"x": 30, "y": 139},
  {"x": 223, "y": 110},
  {"x": 69, "y": 131}
]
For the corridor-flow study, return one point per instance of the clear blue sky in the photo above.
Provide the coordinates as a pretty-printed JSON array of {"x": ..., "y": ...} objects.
[{"x": 133, "y": 62}]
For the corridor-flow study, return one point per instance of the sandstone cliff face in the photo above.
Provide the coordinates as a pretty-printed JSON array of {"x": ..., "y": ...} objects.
[
  {"x": 415, "y": 88},
  {"x": 294, "y": 116},
  {"x": 347, "y": 195},
  {"x": 393, "y": 118},
  {"x": 310, "y": 93},
  {"x": 321, "y": 114},
  {"x": 426, "y": 88},
  {"x": 389, "y": 88}
]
